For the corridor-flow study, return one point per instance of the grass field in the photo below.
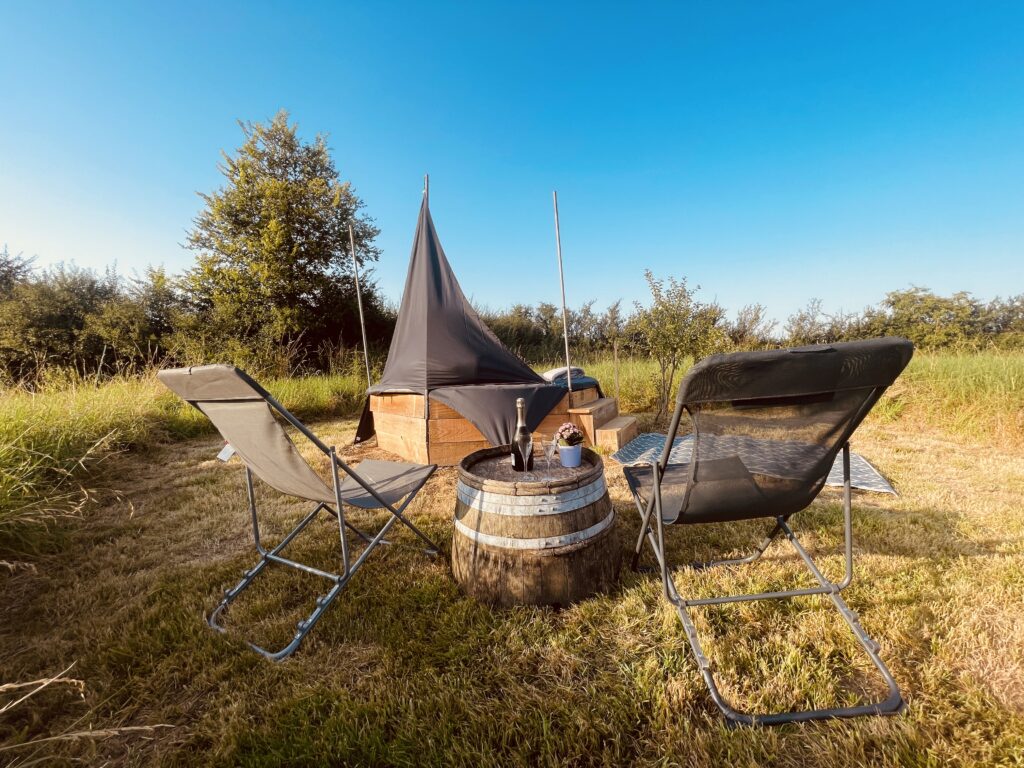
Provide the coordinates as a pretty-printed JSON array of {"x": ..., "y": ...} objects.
[
  {"x": 53, "y": 444},
  {"x": 404, "y": 670}
]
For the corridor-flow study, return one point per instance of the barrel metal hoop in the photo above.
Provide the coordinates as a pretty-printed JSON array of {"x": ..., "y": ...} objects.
[
  {"x": 547, "y": 542},
  {"x": 530, "y": 506}
]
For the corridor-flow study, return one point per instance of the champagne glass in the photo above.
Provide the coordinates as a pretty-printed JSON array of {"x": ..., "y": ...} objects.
[{"x": 549, "y": 449}]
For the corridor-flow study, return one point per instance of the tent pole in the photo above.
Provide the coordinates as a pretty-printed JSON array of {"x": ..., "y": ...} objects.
[
  {"x": 426, "y": 392},
  {"x": 561, "y": 280},
  {"x": 359, "y": 300}
]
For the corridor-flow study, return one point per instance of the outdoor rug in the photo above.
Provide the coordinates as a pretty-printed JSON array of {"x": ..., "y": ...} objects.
[{"x": 645, "y": 448}]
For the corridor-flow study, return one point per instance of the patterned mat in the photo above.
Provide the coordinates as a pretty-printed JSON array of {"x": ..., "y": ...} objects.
[{"x": 777, "y": 461}]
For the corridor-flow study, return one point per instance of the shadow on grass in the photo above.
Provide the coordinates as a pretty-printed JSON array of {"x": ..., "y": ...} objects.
[{"x": 403, "y": 669}]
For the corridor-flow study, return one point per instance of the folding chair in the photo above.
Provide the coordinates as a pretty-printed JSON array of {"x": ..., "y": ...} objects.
[
  {"x": 243, "y": 413},
  {"x": 767, "y": 428}
]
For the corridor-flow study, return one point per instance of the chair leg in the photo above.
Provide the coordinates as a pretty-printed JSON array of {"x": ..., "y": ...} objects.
[
  {"x": 752, "y": 557},
  {"x": 397, "y": 515},
  {"x": 645, "y": 522},
  {"x": 892, "y": 704},
  {"x": 274, "y": 556},
  {"x": 338, "y": 580},
  {"x": 365, "y": 537},
  {"x": 431, "y": 549},
  {"x": 645, "y": 527}
]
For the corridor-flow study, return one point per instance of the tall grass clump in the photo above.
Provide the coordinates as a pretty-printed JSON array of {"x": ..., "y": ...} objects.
[
  {"x": 52, "y": 440},
  {"x": 638, "y": 381},
  {"x": 975, "y": 395}
]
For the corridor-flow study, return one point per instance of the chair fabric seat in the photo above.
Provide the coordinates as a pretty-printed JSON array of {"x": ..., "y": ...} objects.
[
  {"x": 640, "y": 478},
  {"x": 392, "y": 480},
  {"x": 737, "y": 478},
  {"x": 264, "y": 446}
]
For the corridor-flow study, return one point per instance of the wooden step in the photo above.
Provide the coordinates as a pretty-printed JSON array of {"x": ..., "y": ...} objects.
[
  {"x": 615, "y": 433},
  {"x": 594, "y": 414},
  {"x": 573, "y": 399},
  {"x": 580, "y": 397},
  {"x": 601, "y": 408}
]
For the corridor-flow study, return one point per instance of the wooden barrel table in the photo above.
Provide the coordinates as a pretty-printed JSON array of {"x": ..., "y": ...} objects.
[{"x": 539, "y": 538}]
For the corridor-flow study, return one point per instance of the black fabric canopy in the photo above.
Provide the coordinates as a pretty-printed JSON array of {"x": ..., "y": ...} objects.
[{"x": 442, "y": 349}]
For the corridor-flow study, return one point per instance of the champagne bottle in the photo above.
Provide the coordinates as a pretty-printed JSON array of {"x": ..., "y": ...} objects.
[{"x": 522, "y": 442}]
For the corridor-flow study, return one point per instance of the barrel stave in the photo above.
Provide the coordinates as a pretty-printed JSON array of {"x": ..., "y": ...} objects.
[{"x": 534, "y": 542}]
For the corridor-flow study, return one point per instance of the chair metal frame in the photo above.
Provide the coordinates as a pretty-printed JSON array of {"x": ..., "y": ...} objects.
[
  {"x": 349, "y": 567},
  {"x": 892, "y": 704}
]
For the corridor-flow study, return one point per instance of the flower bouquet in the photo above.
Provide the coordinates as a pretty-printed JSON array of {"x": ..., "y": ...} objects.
[{"x": 570, "y": 444}]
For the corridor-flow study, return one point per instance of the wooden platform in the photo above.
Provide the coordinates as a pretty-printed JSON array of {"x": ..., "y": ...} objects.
[
  {"x": 615, "y": 433},
  {"x": 445, "y": 438}
]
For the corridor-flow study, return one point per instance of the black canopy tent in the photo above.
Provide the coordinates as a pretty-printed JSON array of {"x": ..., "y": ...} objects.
[{"x": 443, "y": 350}]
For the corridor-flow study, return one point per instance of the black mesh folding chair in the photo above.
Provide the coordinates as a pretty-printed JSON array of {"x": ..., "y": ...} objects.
[
  {"x": 767, "y": 428},
  {"x": 243, "y": 413}
]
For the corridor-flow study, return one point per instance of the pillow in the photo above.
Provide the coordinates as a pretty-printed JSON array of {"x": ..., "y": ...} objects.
[{"x": 560, "y": 373}]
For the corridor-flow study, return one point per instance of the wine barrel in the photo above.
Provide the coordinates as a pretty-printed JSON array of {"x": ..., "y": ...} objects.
[{"x": 540, "y": 538}]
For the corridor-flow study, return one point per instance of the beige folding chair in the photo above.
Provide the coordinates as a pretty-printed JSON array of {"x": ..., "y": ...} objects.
[{"x": 243, "y": 413}]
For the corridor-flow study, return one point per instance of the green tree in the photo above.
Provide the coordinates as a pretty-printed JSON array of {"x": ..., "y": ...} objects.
[
  {"x": 549, "y": 319},
  {"x": 272, "y": 243},
  {"x": 808, "y": 325},
  {"x": 44, "y": 321},
  {"x": 928, "y": 320},
  {"x": 160, "y": 298},
  {"x": 517, "y": 329},
  {"x": 13, "y": 270},
  {"x": 675, "y": 326},
  {"x": 134, "y": 323},
  {"x": 613, "y": 327},
  {"x": 1003, "y": 321},
  {"x": 118, "y": 330},
  {"x": 584, "y": 329},
  {"x": 752, "y": 328},
  {"x": 812, "y": 325}
]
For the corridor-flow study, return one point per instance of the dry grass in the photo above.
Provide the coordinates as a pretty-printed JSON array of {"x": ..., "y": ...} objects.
[
  {"x": 53, "y": 443},
  {"x": 403, "y": 670}
]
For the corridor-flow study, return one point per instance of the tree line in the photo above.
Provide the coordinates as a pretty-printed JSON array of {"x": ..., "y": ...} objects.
[
  {"x": 271, "y": 287},
  {"x": 272, "y": 290},
  {"x": 67, "y": 319},
  {"x": 929, "y": 320}
]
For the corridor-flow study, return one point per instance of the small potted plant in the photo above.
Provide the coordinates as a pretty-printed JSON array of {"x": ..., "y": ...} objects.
[{"x": 570, "y": 445}]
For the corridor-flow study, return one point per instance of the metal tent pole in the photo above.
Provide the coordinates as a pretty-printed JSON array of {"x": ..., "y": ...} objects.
[
  {"x": 359, "y": 301},
  {"x": 561, "y": 280},
  {"x": 426, "y": 392}
]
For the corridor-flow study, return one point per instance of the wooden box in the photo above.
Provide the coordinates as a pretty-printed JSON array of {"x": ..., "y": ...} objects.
[{"x": 444, "y": 438}]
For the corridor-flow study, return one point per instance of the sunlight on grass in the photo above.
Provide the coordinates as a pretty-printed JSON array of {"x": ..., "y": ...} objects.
[
  {"x": 405, "y": 670},
  {"x": 51, "y": 442},
  {"x": 979, "y": 395}
]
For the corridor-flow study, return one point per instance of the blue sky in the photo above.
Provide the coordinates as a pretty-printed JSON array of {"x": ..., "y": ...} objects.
[{"x": 770, "y": 152}]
